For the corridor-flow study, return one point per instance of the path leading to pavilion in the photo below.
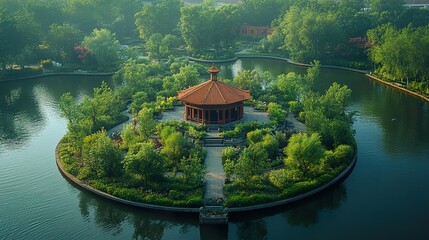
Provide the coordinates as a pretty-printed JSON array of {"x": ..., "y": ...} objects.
[
  {"x": 215, "y": 176},
  {"x": 119, "y": 127}
]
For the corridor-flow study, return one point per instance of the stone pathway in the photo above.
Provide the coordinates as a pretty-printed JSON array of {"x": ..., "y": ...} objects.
[
  {"x": 215, "y": 176},
  {"x": 121, "y": 126},
  {"x": 294, "y": 124}
]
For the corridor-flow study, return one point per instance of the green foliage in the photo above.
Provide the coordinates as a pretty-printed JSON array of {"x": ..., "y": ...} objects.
[
  {"x": 63, "y": 38},
  {"x": 200, "y": 25},
  {"x": 104, "y": 47},
  {"x": 308, "y": 33},
  {"x": 241, "y": 129},
  {"x": 276, "y": 113},
  {"x": 304, "y": 153},
  {"x": 160, "y": 18},
  {"x": 399, "y": 52},
  {"x": 327, "y": 115},
  {"x": 142, "y": 159},
  {"x": 101, "y": 156}
]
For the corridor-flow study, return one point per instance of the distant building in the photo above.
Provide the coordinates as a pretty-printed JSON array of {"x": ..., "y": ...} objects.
[{"x": 247, "y": 30}]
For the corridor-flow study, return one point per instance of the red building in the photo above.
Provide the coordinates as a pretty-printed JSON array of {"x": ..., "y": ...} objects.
[
  {"x": 255, "y": 31},
  {"x": 213, "y": 101}
]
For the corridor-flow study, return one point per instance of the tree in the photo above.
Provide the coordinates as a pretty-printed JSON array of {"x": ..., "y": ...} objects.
[
  {"x": 261, "y": 12},
  {"x": 101, "y": 156},
  {"x": 186, "y": 77},
  {"x": 250, "y": 80},
  {"x": 310, "y": 34},
  {"x": 385, "y": 10},
  {"x": 195, "y": 26},
  {"x": 103, "y": 46},
  {"x": 304, "y": 152},
  {"x": 146, "y": 122},
  {"x": 192, "y": 169},
  {"x": 63, "y": 38},
  {"x": 142, "y": 159},
  {"x": 162, "y": 18},
  {"x": 253, "y": 161},
  {"x": 398, "y": 51},
  {"x": 327, "y": 115},
  {"x": 159, "y": 46},
  {"x": 104, "y": 108}
]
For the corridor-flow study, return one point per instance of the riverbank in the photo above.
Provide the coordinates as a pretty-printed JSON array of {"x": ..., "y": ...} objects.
[
  {"x": 397, "y": 87},
  {"x": 58, "y": 74},
  {"x": 365, "y": 72}
]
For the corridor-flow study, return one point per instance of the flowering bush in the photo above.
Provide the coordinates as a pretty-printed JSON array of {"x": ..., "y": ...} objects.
[{"x": 82, "y": 53}]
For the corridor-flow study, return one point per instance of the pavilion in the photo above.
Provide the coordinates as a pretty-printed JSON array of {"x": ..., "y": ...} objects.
[{"x": 213, "y": 101}]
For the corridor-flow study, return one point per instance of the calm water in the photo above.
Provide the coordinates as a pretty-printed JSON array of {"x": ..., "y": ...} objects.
[{"x": 386, "y": 196}]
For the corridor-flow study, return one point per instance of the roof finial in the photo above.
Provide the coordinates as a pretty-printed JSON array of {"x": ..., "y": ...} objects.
[{"x": 213, "y": 72}]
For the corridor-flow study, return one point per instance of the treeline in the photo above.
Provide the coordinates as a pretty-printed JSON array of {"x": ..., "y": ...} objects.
[{"x": 352, "y": 33}]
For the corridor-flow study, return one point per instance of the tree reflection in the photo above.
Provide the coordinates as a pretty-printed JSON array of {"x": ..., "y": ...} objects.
[
  {"x": 106, "y": 215},
  {"x": 20, "y": 115},
  {"x": 146, "y": 228},
  {"x": 394, "y": 111},
  {"x": 307, "y": 213},
  {"x": 148, "y": 224},
  {"x": 252, "y": 229}
]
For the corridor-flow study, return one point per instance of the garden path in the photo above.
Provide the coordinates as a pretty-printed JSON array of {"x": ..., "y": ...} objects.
[{"x": 215, "y": 176}]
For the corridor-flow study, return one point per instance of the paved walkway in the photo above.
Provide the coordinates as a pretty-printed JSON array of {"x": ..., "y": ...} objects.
[
  {"x": 294, "y": 124},
  {"x": 215, "y": 176},
  {"x": 119, "y": 127}
]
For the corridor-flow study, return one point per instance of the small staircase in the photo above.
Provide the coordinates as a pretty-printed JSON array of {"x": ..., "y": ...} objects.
[
  {"x": 213, "y": 142},
  {"x": 213, "y": 215}
]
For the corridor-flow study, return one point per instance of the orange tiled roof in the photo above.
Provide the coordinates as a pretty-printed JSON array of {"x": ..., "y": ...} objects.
[{"x": 213, "y": 92}]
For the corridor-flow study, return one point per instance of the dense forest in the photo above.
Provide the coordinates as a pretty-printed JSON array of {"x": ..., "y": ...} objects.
[{"x": 382, "y": 36}]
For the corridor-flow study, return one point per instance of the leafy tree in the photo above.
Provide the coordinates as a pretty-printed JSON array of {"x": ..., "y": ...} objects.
[
  {"x": 309, "y": 34},
  {"x": 327, "y": 115},
  {"x": 63, "y": 38},
  {"x": 253, "y": 161},
  {"x": 134, "y": 76},
  {"x": 385, "y": 10},
  {"x": 260, "y": 12},
  {"x": 195, "y": 27},
  {"x": 159, "y": 46},
  {"x": 143, "y": 160},
  {"x": 304, "y": 152},
  {"x": 101, "y": 156},
  {"x": 186, "y": 77},
  {"x": 192, "y": 169},
  {"x": 162, "y": 18},
  {"x": 146, "y": 122},
  {"x": 103, "y": 108},
  {"x": 104, "y": 47},
  {"x": 398, "y": 51}
]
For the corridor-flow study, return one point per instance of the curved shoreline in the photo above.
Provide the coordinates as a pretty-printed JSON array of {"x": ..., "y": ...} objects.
[
  {"x": 57, "y": 74},
  {"x": 211, "y": 61},
  {"x": 397, "y": 87},
  {"x": 85, "y": 186},
  {"x": 365, "y": 72}
]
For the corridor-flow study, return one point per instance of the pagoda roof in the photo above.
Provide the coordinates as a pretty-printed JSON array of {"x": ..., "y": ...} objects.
[{"x": 213, "y": 92}]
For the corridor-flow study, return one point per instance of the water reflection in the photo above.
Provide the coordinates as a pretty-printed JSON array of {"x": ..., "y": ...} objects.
[
  {"x": 147, "y": 224},
  {"x": 20, "y": 115},
  {"x": 393, "y": 111},
  {"x": 22, "y": 105},
  {"x": 307, "y": 212},
  {"x": 252, "y": 229}
]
